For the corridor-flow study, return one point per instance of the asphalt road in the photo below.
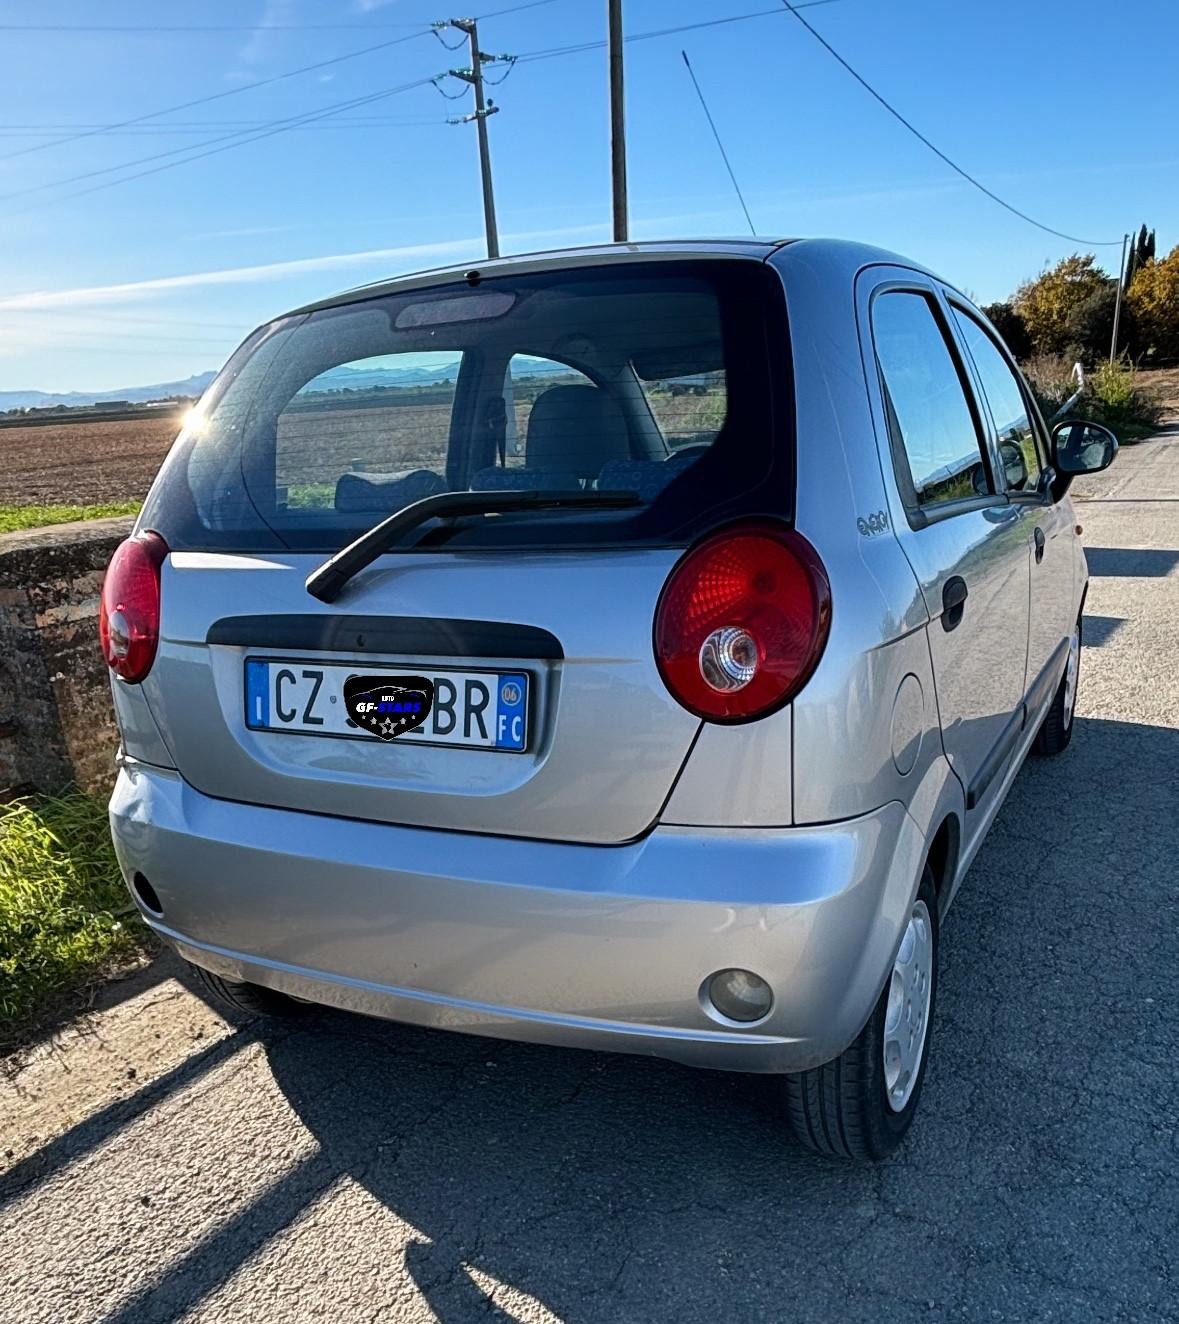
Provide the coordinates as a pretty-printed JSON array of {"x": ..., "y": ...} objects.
[{"x": 167, "y": 1164}]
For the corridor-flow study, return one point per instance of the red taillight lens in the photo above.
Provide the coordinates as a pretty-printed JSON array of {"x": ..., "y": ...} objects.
[
  {"x": 129, "y": 619},
  {"x": 742, "y": 622}
]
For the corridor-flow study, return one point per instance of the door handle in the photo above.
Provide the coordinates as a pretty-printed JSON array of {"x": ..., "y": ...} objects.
[
  {"x": 953, "y": 602},
  {"x": 1038, "y": 536}
]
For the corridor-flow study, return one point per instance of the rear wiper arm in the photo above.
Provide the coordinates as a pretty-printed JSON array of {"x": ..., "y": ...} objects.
[{"x": 327, "y": 582}]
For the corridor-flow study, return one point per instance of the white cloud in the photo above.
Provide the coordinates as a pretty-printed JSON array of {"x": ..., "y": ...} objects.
[
  {"x": 130, "y": 291},
  {"x": 277, "y": 13}
]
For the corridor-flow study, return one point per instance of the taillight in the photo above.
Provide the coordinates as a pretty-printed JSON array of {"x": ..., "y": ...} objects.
[
  {"x": 742, "y": 622},
  {"x": 129, "y": 618}
]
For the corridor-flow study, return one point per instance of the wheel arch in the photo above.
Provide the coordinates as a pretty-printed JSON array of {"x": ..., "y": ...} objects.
[{"x": 942, "y": 857}]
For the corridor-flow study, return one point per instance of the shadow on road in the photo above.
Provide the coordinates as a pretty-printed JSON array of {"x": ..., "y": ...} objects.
[
  {"x": 1131, "y": 562},
  {"x": 605, "y": 1187}
]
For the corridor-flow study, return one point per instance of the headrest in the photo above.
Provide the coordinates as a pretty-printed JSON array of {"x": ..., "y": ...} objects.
[
  {"x": 386, "y": 492},
  {"x": 575, "y": 429}
]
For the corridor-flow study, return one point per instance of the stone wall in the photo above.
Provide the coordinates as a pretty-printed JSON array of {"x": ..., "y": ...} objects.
[{"x": 56, "y": 723}]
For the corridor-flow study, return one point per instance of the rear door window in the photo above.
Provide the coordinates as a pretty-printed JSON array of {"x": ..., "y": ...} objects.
[{"x": 929, "y": 414}]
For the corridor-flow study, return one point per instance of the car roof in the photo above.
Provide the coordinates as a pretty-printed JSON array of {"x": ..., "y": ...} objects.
[{"x": 841, "y": 255}]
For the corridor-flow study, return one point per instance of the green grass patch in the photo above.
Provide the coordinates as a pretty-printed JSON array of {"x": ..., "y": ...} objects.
[
  {"x": 64, "y": 912},
  {"x": 13, "y": 518}
]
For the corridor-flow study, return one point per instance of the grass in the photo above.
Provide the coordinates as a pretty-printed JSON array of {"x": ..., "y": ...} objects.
[
  {"x": 65, "y": 916},
  {"x": 13, "y": 518}
]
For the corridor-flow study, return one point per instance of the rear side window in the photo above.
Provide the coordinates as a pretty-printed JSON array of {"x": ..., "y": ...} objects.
[
  {"x": 690, "y": 410},
  {"x": 667, "y": 379},
  {"x": 1014, "y": 429},
  {"x": 929, "y": 415}
]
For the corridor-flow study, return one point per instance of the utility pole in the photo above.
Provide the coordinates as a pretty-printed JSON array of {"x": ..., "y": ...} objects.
[
  {"x": 474, "y": 76},
  {"x": 617, "y": 122},
  {"x": 1113, "y": 344}
]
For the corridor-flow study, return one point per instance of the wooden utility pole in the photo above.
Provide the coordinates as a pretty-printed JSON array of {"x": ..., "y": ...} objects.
[
  {"x": 474, "y": 76},
  {"x": 1113, "y": 344},
  {"x": 617, "y": 122}
]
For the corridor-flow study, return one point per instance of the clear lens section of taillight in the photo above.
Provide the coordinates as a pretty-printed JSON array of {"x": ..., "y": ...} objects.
[
  {"x": 129, "y": 617},
  {"x": 742, "y": 622}
]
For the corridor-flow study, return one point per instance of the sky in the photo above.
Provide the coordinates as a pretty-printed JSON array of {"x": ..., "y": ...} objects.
[{"x": 109, "y": 281}]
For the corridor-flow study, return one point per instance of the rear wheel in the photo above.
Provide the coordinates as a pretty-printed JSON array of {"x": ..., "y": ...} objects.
[
  {"x": 860, "y": 1105},
  {"x": 1057, "y": 729},
  {"x": 252, "y": 999}
]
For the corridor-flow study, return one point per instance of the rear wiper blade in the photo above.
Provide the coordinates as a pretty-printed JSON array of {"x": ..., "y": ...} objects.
[{"x": 327, "y": 582}]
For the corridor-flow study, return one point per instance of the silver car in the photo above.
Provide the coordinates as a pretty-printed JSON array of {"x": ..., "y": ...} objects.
[{"x": 625, "y": 647}]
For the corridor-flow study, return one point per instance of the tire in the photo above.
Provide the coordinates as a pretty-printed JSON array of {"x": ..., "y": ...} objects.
[
  {"x": 1056, "y": 730},
  {"x": 842, "y": 1108},
  {"x": 251, "y": 999}
]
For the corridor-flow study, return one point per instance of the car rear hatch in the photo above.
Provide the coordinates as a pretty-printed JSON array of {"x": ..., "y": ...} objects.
[{"x": 534, "y": 628}]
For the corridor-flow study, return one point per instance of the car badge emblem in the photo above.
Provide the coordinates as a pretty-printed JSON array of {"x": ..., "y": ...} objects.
[{"x": 388, "y": 706}]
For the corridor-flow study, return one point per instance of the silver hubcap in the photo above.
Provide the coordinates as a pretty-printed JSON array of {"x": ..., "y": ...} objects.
[
  {"x": 906, "y": 1020},
  {"x": 1070, "y": 676}
]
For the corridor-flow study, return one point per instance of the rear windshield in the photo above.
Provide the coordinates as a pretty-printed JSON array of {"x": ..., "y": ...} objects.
[{"x": 664, "y": 379}]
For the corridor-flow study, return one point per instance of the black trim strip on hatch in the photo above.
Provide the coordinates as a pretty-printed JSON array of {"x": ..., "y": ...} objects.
[{"x": 414, "y": 635}]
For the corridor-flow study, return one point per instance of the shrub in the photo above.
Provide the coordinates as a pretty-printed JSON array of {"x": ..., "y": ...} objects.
[
  {"x": 1011, "y": 326},
  {"x": 1051, "y": 378},
  {"x": 1154, "y": 301},
  {"x": 1046, "y": 302},
  {"x": 1115, "y": 397}
]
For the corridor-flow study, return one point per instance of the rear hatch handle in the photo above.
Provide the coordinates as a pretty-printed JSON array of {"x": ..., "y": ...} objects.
[{"x": 327, "y": 581}]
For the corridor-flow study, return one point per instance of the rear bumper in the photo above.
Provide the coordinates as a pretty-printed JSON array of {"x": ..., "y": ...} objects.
[{"x": 594, "y": 946}]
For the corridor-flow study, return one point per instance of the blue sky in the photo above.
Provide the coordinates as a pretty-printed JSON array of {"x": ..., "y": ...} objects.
[{"x": 1058, "y": 105}]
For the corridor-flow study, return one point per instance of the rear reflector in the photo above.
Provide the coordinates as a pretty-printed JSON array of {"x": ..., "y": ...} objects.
[
  {"x": 129, "y": 617},
  {"x": 742, "y": 622}
]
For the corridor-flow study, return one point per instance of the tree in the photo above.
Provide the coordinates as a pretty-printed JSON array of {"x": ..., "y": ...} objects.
[
  {"x": 1141, "y": 251},
  {"x": 1046, "y": 302},
  {"x": 1090, "y": 325},
  {"x": 1154, "y": 301},
  {"x": 1011, "y": 326}
]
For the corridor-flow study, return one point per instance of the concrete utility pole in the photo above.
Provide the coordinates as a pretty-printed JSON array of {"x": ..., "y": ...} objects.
[
  {"x": 617, "y": 122},
  {"x": 1113, "y": 344},
  {"x": 474, "y": 76}
]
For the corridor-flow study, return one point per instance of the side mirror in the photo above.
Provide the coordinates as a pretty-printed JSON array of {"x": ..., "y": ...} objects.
[
  {"x": 1082, "y": 448},
  {"x": 1015, "y": 469}
]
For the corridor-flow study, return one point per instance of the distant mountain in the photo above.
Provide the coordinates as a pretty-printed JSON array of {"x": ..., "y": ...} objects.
[
  {"x": 194, "y": 385},
  {"x": 348, "y": 378}
]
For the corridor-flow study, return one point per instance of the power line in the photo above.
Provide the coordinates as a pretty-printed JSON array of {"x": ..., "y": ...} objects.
[
  {"x": 151, "y": 28},
  {"x": 554, "y": 52},
  {"x": 147, "y": 29},
  {"x": 228, "y": 141},
  {"x": 261, "y": 82},
  {"x": 970, "y": 179},
  {"x": 278, "y": 126},
  {"x": 720, "y": 145},
  {"x": 273, "y": 126},
  {"x": 218, "y": 96},
  {"x": 177, "y": 132}
]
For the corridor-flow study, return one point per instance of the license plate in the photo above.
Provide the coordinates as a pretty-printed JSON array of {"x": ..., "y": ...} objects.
[{"x": 472, "y": 709}]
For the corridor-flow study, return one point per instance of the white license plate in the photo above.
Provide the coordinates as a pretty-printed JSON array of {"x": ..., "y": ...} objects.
[{"x": 474, "y": 709}]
